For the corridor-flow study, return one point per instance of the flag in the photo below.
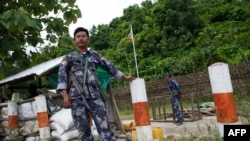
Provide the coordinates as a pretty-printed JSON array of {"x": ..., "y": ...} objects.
[{"x": 130, "y": 35}]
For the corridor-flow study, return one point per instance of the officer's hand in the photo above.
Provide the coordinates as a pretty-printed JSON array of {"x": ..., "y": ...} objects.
[
  {"x": 66, "y": 101},
  {"x": 128, "y": 78},
  {"x": 180, "y": 95}
]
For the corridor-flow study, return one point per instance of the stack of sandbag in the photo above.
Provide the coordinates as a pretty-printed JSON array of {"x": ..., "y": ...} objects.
[
  {"x": 28, "y": 125},
  {"x": 62, "y": 126},
  {"x": 4, "y": 123},
  {"x": 27, "y": 116}
]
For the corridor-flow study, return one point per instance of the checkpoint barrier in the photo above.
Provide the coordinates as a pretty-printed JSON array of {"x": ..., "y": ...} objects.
[
  {"x": 223, "y": 95},
  {"x": 42, "y": 117},
  {"x": 14, "y": 123},
  {"x": 141, "y": 110},
  {"x": 60, "y": 128},
  {"x": 20, "y": 119},
  {"x": 13, "y": 119}
]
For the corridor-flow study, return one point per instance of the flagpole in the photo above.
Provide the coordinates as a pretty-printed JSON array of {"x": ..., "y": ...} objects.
[{"x": 137, "y": 72}]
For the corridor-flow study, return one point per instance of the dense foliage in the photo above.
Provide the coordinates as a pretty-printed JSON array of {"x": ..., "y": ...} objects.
[
  {"x": 34, "y": 24},
  {"x": 181, "y": 36}
]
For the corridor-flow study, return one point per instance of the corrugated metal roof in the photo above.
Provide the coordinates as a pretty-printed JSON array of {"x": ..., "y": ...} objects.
[{"x": 31, "y": 73}]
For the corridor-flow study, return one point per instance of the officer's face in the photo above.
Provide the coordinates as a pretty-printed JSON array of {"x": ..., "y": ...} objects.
[
  {"x": 81, "y": 39},
  {"x": 167, "y": 78}
]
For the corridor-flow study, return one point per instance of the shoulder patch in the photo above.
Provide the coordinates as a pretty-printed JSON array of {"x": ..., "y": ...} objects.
[
  {"x": 103, "y": 58},
  {"x": 64, "y": 61}
]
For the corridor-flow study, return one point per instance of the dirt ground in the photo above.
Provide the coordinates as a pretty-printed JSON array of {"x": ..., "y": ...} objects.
[
  {"x": 204, "y": 127},
  {"x": 200, "y": 128}
]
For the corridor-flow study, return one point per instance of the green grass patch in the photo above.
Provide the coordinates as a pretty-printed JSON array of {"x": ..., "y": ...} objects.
[{"x": 126, "y": 114}]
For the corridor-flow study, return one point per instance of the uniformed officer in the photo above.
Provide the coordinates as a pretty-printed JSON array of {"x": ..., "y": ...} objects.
[
  {"x": 83, "y": 64},
  {"x": 176, "y": 95}
]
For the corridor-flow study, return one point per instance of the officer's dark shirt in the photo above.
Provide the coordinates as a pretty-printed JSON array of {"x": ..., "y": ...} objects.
[{"x": 73, "y": 62}]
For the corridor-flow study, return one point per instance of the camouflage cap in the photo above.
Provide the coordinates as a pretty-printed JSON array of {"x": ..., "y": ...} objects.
[{"x": 168, "y": 74}]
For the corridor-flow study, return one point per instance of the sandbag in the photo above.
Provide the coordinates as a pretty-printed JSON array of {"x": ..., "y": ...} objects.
[
  {"x": 27, "y": 110},
  {"x": 55, "y": 126},
  {"x": 4, "y": 112},
  {"x": 63, "y": 118},
  {"x": 67, "y": 136},
  {"x": 30, "y": 127},
  {"x": 36, "y": 138}
]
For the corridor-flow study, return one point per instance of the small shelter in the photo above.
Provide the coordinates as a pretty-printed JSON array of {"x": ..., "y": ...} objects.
[
  {"x": 33, "y": 73},
  {"x": 49, "y": 70}
]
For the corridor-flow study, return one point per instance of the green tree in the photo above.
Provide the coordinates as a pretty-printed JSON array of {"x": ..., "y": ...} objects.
[
  {"x": 224, "y": 37},
  {"x": 31, "y": 23}
]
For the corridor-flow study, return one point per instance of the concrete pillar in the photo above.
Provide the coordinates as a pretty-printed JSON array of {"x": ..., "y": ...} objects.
[
  {"x": 141, "y": 110},
  {"x": 223, "y": 95},
  {"x": 42, "y": 117}
]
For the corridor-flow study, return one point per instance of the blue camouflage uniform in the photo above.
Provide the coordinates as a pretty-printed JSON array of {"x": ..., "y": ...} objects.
[
  {"x": 175, "y": 90},
  {"x": 73, "y": 62}
]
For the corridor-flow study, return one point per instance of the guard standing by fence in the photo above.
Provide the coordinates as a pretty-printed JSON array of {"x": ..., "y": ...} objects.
[{"x": 176, "y": 95}]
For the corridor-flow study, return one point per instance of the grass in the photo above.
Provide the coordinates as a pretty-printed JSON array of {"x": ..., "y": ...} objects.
[{"x": 126, "y": 114}]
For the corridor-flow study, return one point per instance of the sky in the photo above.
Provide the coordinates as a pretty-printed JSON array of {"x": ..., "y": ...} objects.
[{"x": 96, "y": 12}]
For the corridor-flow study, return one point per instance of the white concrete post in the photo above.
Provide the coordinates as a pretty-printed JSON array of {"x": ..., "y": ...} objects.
[
  {"x": 141, "y": 110},
  {"x": 42, "y": 117},
  {"x": 223, "y": 95}
]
